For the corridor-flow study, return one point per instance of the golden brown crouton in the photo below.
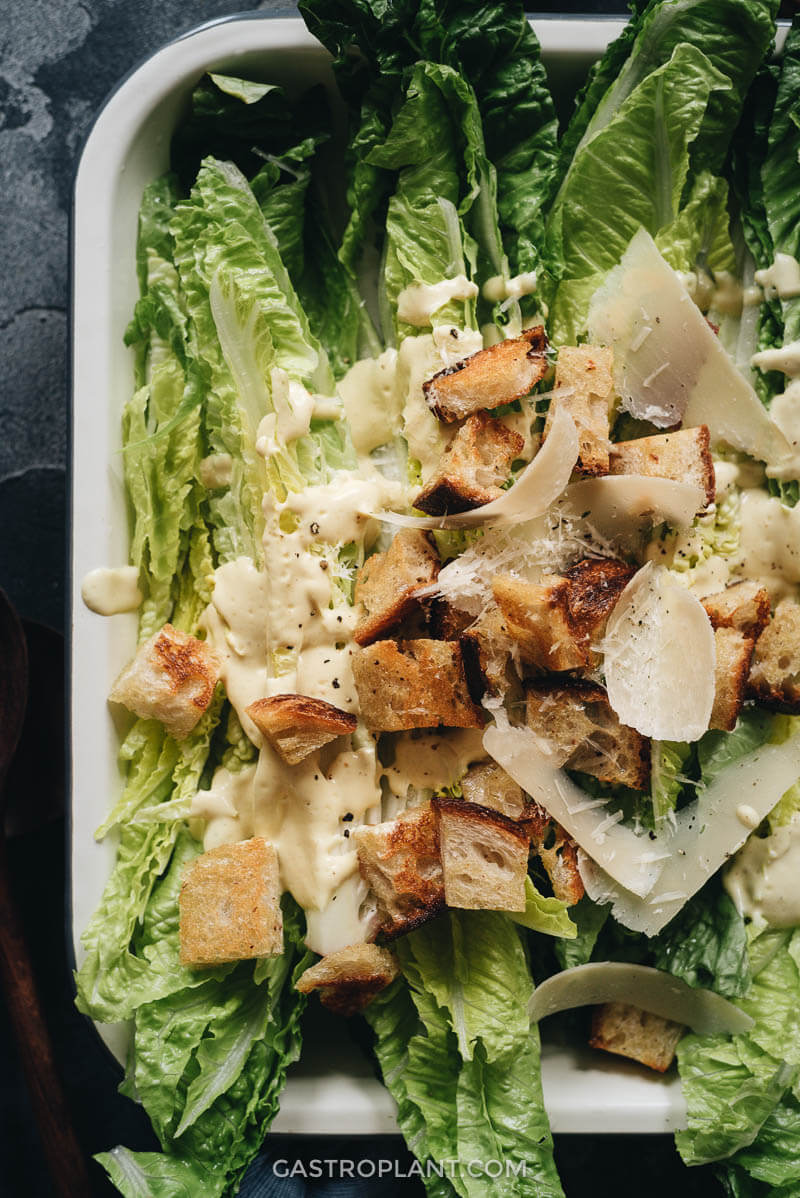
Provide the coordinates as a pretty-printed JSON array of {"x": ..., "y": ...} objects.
[
  {"x": 734, "y": 653},
  {"x": 446, "y": 622},
  {"x": 171, "y": 679},
  {"x": 350, "y": 978},
  {"x": 775, "y": 672},
  {"x": 471, "y": 469},
  {"x": 558, "y": 853},
  {"x": 595, "y": 585},
  {"x": 630, "y": 1032},
  {"x": 486, "y": 649},
  {"x": 683, "y": 456},
  {"x": 389, "y": 584},
  {"x": 297, "y": 725},
  {"x": 584, "y": 387},
  {"x": 488, "y": 785},
  {"x": 484, "y": 857},
  {"x": 230, "y": 905},
  {"x": 578, "y": 721},
  {"x": 400, "y": 862},
  {"x": 493, "y": 376},
  {"x": 539, "y": 621},
  {"x": 744, "y": 605},
  {"x": 413, "y": 684}
]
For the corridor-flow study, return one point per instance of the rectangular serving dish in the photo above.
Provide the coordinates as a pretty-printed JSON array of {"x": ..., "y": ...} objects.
[{"x": 334, "y": 1086}]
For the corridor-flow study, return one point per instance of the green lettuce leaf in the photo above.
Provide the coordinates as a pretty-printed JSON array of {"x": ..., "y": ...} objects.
[
  {"x": 717, "y": 750},
  {"x": 547, "y": 915},
  {"x": 483, "y": 1107},
  {"x": 473, "y": 964},
  {"x": 668, "y": 759},
  {"x": 734, "y": 1084},
  {"x": 630, "y": 171}
]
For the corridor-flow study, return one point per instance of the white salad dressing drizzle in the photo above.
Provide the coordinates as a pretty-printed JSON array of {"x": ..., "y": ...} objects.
[
  {"x": 110, "y": 590},
  {"x": 764, "y": 878},
  {"x": 215, "y": 471},
  {"x": 780, "y": 280},
  {"x": 417, "y": 303},
  {"x": 499, "y": 288}
]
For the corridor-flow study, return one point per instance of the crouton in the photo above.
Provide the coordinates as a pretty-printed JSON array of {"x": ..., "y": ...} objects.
[
  {"x": 486, "y": 648},
  {"x": 734, "y": 653},
  {"x": 297, "y": 725},
  {"x": 584, "y": 387},
  {"x": 471, "y": 469},
  {"x": 683, "y": 456},
  {"x": 349, "y": 979},
  {"x": 230, "y": 905},
  {"x": 484, "y": 857},
  {"x": 389, "y": 584},
  {"x": 539, "y": 621},
  {"x": 744, "y": 605},
  {"x": 595, "y": 585},
  {"x": 399, "y": 860},
  {"x": 413, "y": 684},
  {"x": 488, "y": 785},
  {"x": 630, "y": 1032},
  {"x": 557, "y": 851},
  {"x": 171, "y": 679},
  {"x": 493, "y": 376},
  {"x": 585, "y": 733},
  {"x": 446, "y": 622},
  {"x": 775, "y": 672}
]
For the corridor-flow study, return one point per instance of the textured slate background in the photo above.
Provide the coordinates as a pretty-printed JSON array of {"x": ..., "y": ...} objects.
[{"x": 58, "y": 60}]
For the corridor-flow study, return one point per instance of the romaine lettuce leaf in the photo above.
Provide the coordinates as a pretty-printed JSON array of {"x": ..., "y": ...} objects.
[
  {"x": 733, "y": 1085},
  {"x": 542, "y": 914},
  {"x": 486, "y": 1106}
]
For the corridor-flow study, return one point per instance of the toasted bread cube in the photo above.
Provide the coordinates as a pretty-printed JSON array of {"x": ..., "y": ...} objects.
[
  {"x": 413, "y": 684},
  {"x": 595, "y": 585},
  {"x": 630, "y": 1032},
  {"x": 744, "y": 605},
  {"x": 493, "y": 376},
  {"x": 578, "y": 721},
  {"x": 389, "y": 584},
  {"x": 734, "y": 654},
  {"x": 584, "y": 387},
  {"x": 484, "y": 857},
  {"x": 230, "y": 905},
  {"x": 297, "y": 725},
  {"x": 171, "y": 679},
  {"x": 471, "y": 469},
  {"x": 557, "y": 851},
  {"x": 349, "y": 979},
  {"x": 683, "y": 456},
  {"x": 446, "y": 622},
  {"x": 488, "y": 785},
  {"x": 399, "y": 860},
  {"x": 486, "y": 648},
  {"x": 539, "y": 621},
  {"x": 775, "y": 672}
]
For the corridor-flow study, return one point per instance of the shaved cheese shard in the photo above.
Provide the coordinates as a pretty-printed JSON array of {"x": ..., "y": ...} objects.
[
  {"x": 659, "y": 658},
  {"x": 669, "y": 365},
  {"x": 539, "y": 485},
  {"x": 706, "y": 834},
  {"x": 632, "y": 860},
  {"x": 652, "y": 990},
  {"x": 619, "y": 506}
]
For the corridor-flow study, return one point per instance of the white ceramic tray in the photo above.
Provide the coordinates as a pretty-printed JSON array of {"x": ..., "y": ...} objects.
[{"x": 333, "y": 1088}]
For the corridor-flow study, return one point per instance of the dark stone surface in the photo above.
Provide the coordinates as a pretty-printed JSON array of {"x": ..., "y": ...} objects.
[{"x": 60, "y": 58}]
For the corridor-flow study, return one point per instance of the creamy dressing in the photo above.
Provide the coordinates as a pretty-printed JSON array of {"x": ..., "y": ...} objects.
[
  {"x": 499, "y": 288},
  {"x": 723, "y": 293},
  {"x": 417, "y": 303},
  {"x": 235, "y": 628},
  {"x": 216, "y": 471},
  {"x": 293, "y": 407},
  {"x": 764, "y": 878},
  {"x": 785, "y": 358},
  {"x": 110, "y": 590},
  {"x": 781, "y": 280},
  {"x": 769, "y": 544},
  {"x": 432, "y": 760},
  {"x": 371, "y": 403}
]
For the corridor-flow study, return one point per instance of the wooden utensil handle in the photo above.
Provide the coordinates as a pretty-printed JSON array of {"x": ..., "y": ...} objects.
[{"x": 64, "y": 1156}]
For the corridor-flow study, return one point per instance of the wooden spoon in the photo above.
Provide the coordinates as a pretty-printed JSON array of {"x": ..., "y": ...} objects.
[{"x": 64, "y": 1156}]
